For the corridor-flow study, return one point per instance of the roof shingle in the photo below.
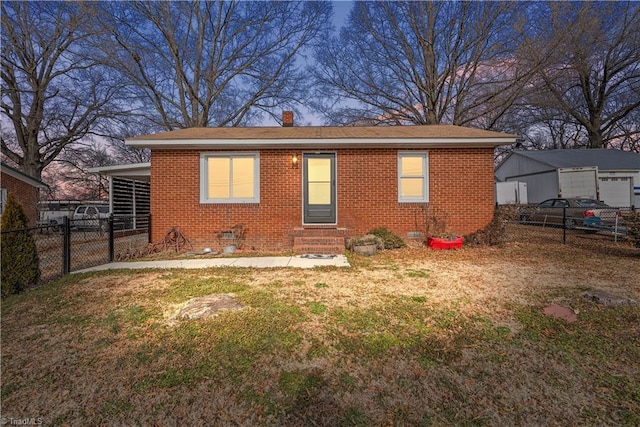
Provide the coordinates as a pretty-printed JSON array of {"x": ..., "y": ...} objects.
[
  {"x": 318, "y": 137},
  {"x": 325, "y": 132}
]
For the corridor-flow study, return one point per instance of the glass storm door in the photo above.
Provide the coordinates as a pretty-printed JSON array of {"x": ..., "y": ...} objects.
[{"x": 319, "y": 188}]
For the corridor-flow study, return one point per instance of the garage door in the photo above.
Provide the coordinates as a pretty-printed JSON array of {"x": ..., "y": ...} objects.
[{"x": 616, "y": 191}]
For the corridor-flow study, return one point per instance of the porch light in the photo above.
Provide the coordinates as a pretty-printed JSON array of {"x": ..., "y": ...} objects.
[{"x": 294, "y": 159}]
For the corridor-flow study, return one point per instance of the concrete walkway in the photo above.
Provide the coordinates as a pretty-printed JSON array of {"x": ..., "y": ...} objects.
[{"x": 299, "y": 261}]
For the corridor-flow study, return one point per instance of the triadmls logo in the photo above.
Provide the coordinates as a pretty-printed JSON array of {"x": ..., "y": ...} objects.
[{"x": 20, "y": 421}]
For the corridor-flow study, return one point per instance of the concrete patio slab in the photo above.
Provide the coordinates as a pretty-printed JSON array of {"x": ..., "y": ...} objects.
[
  {"x": 249, "y": 262},
  {"x": 262, "y": 262},
  {"x": 336, "y": 261}
]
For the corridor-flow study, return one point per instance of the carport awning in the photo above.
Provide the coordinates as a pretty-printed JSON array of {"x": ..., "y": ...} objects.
[
  {"x": 136, "y": 171},
  {"x": 129, "y": 188}
]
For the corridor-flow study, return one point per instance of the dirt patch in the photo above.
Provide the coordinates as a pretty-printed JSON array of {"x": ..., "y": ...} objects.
[
  {"x": 207, "y": 307},
  {"x": 560, "y": 312}
]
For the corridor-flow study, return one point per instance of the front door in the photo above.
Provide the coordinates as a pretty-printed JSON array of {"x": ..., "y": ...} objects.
[{"x": 319, "y": 188}]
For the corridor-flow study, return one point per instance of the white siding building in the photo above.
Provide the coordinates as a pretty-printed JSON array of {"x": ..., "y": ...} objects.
[{"x": 618, "y": 173}]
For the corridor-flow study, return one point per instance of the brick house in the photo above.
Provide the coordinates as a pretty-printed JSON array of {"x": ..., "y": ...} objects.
[
  {"x": 23, "y": 187},
  {"x": 295, "y": 186}
]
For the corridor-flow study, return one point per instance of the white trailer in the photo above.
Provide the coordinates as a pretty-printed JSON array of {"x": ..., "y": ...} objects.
[
  {"x": 511, "y": 192},
  {"x": 578, "y": 182}
]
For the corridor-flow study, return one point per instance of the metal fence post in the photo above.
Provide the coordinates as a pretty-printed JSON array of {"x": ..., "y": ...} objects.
[
  {"x": 66, "y": 245},
  {"x": 564, "y": 225},
  {"x": 149, "y": 230},
  {"x": 111, "y": 238}
]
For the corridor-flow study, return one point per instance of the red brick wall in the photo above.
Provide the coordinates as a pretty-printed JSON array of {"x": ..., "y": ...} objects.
[
  {"x": 25, "y": 194},
  {"x": 461, "y": 191}
]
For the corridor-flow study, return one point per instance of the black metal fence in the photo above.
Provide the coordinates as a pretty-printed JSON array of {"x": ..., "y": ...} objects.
[{"x": 78, "y": 244}]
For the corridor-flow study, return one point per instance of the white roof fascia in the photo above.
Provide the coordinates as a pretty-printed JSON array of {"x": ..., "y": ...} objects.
[
  {"x": 123, "y": 170},
  {"x": 318, "y": 142}
]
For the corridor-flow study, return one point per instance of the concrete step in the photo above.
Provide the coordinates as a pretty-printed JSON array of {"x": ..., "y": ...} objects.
[{"x": 318, "y": 245}]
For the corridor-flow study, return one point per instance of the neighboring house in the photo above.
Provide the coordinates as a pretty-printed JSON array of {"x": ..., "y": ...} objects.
[
  {"x": 23, "y": 187},
  {"x": 287, "y": 184},
  {"x": 618, "y": 173}
]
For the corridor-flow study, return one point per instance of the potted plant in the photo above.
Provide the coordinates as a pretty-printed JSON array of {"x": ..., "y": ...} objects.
[
  {"x": 365, "y": 245},
  {"x": 232, "y": 238}
]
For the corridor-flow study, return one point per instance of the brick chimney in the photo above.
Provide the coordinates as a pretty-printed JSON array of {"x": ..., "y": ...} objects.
[{"x": 287, "y": 119}]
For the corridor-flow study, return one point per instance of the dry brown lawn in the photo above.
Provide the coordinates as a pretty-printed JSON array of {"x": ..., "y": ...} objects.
[{"x": 407, "y": 337}]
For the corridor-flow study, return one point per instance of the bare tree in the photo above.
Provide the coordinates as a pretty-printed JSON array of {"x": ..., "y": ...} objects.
[
  {"x": 421, "y": 63},
  {"x": 53, "y": 91},
  {"x": 68, "y": 173},
  {"x": 590, "y": 83},
  {"x": 217, "y": 63}
]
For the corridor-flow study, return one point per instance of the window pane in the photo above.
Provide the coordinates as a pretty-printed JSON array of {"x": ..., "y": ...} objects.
[
  {"x": 411, "y": 166},
  {"x": 412, "y": 187},
  {"x": 218, "y": 183},
  {"x": 319, "y": 170},
  {"x": 243, "y": 179},
  {"x": 319, "y": 193}
]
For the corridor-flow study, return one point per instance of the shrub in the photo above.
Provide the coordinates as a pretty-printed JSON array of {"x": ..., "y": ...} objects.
[
  {"x": 389, "y": 239},
  {"x": 633, "y": 227},
  {"x": 20, "y": 267},
  {"x": 495, "y": 233}
]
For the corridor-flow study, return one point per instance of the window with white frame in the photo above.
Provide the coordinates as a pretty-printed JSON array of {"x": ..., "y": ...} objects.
[
  {"x": 230, "y": 177},
  {"x": 413, "y": 176}
]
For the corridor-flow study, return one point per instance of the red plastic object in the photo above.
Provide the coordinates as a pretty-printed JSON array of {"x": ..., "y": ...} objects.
[{"x": 437, "y": 243}]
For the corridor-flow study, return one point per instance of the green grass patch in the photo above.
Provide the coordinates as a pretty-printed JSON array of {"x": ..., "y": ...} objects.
[
  {"x": 7, "y": 389},
  {"x": 316, "y": 307},
  {"x": 406, "y": 326},
  {"x": 184, "y": 286},
  {"x": 301, "y": 394},
  {"x": 601, "y": 332},
  {"x": 317, "y": 349},
  {"x": 147, "y": 354},
  {"x": 116, "y": 407},
  {"x": 347, "y": 382},
  {"x": 420, "y": 273},
  {"x": 358, "y": 320},
  {"x": 299, "y": 384},
  {"x": 230, "y": 344},
  {"x": 354, "y": 416},
  {"x": 128, "y": 319},
  {"x": 602, "y": 339}
]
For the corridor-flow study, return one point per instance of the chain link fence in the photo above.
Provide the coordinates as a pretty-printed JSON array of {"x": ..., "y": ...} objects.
[
  {"x": 78, "y": 244},
  {"x": 567, "y": 225}
]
